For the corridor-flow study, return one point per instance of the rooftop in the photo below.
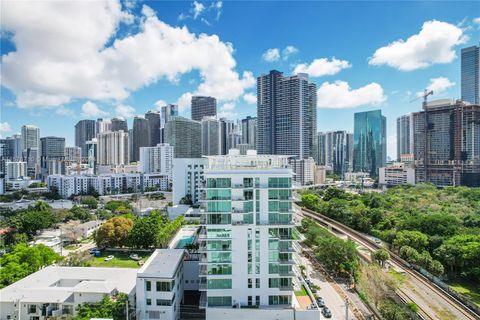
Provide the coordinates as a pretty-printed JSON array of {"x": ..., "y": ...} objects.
[
  {"x": 58, "y": 284},
  {"x": 162, "y": 263},
  {"x": 250, "y": 161}
]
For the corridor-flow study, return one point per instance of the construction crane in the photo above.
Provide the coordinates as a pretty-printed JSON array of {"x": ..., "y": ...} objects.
[{"x": 426, "y": 148}]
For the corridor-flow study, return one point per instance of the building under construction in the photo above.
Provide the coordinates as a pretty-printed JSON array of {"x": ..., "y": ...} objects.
[{"x": 447, "y": 143}]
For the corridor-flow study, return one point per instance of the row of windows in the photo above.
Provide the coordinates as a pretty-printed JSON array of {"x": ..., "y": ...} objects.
[
  {"x": 219, "y": 283},
  {"x": 162, "y": 286},
  {"x": 162, "y": 302}
]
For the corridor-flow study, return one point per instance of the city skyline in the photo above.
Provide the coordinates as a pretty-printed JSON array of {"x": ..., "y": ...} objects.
[{"x": 375, "y": 76}]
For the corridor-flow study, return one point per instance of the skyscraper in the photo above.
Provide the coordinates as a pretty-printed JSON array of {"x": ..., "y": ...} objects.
[
  {"x": 85, "y": 130},
  {"x": 103, "y": 125},
  {"x": 320, "y": 158},
  {"x": 30, "y": 137},
  {"x": 227, "y": 135},
  {"x": 470, "y": 74},
  {"x": 211, "y": 130},
  {"x": 158, "y": 159},
  {"x": 203, "y": 107},
  {"x": 370, "y": 150},
  {"x": 338, "y": 151},
  {"x": 166, "y": 113},
  {"x": 112, "y": 148},
  {"x": 248, "y": 251},
  {"x": 249, "y": 132},
  {"x": 141, "y": 136},
  {"x": 405, "y": 137},
  {"x": 286, "y": 115},
  {"x": 447, "y": 143},
  {"x": 119, "y": 124},
  {"x": 153, "y": 118},
  {"x": 73, "y": 154},
  {"x": 185, "y": 136},
  {"x": 52, "y": 147}
]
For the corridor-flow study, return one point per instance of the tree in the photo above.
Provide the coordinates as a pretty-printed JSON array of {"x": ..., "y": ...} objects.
[
  {"x": 409, "y": 254},
  {"x": 338, "y": 255},
  {"x": 90, "y": 201},
  {"x": 145, "y": 230},
  {"x": 462, "y": 254},
  {"x": 414, "y": 239},
  {"x": 33, "y": 219},
  {"x": 114, "y": 308},
  {"x": 24, "y": 260},
  {"x": 79, "y": 213},
  {"x": 114, "y": 232},
  {"x": 381, "y": 256},
  {"x": 310, "y": 201},
  {"x": 377, "y": 284}
]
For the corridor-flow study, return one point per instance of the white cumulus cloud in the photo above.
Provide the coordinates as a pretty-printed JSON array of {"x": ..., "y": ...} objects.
[
  {"x": 434, "y": 44},
  {"x": 5, "y": 127},
  {"x": 250, "y": 98},
  {"x": 288, "y": 51},
  {"x": 125, "y": 111},
  {"x": 476, "y": 20},
  {"x": 91, "y": 110},
  {"x": 339, "y": 95},
  {"x": 73, "y": 61},
  {"x": 271, "y": 55},
  {"x": 438, "y": 85},
  {"x": 322, "y": 67}
]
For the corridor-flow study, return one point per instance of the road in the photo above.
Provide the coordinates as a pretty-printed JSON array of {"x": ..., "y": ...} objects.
[
  {"x": 432, "y": 302},
  {"x": 83, "y": 247}
]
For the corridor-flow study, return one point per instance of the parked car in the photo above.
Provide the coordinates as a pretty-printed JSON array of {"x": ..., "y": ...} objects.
[
  {"x": 110, "y": 257},
  {"x": 320, "y": 302},
  {"x": 313, "y": 289},
  {"x": 308, "y": 281},
  {"x": 135, "y": 257},
  {"x": 312, "y": 307},
  {"x": 326, "y": 312}
]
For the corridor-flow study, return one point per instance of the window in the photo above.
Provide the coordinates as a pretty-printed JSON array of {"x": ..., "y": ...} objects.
[
  {"x": 163, "y": 286},
  {"x": 276, "y": 300},
  {"x": 149, "y": 302},
  {"x": 219, "y": 283},
  {"x": 250, "y": 300},
  {"x": 32, "y": 308},
  {"x": 224, "y": 301},
  {"x": 257, "y": 300},
  {"x": 164, "y": 302},
  {"x": 249, "y": 283},
  {"x": 148, "y": 285},
  {"x": 257, "y": 283}
]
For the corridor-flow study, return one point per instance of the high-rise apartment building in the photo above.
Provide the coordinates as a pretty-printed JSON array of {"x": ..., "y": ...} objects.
[
  {"x": 153, "y": 118},
  {"x": 188, "y": 179},
  {"x": 447, "y": 143},
  {"x": 158, "y": 159},
  {"x": 405, "y": 136},
  {"x": 227, "y": 137},
  {"x": 141, "y": 136},
  {"x": 286, "y": 115},
  {"x": 52, "y": 147},
  {"x": 338, "y": 150},
  {"x": 85, "y": 130},
  {"x": 166, "y": 113},
  {"x": 203, "y": 107},
  {"x": 249, "y": 132},
  {"x": 103, "y": 125},
  {"x": 369, "y": 146},
  {"x": 320, "y": 157},
  {"x": 211, "y": 136},
  {"x": 30, "y": 137},
  {"x": 15, "y": 170},
  {"x": 248, "y": 250},
  {"x": 119, "y": 124},
  {"x": 112, "y": 148},
  {"x": 73, "y": 154},
  {"x": 470, "y": 74},
  {"x": 185, "y": 136}
]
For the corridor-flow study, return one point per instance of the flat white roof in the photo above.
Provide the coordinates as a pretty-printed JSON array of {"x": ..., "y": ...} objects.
[
  {"x": 58, "y": 284},
  {"x": 162, "y": 263}
]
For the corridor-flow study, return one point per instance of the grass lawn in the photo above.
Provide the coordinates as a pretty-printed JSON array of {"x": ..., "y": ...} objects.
[
  {"x": 397, "y": 276},
  {"x": 470, "y": 290},
  {"x": 121, "y": 260},
  {"x": 301, "y": 293}
]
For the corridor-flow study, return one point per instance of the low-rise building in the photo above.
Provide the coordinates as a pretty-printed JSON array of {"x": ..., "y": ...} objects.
[
  {"x": 396, "y": 174},
  {"x": 58, "y": 291},
  {"x": 159, "y": 288}
]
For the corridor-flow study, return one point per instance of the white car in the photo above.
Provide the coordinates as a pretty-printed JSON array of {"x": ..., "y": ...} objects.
[{"x": 110, "y": 257}]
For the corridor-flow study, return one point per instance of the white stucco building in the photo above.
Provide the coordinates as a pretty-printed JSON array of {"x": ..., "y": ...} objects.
[
  {"x": 187, "y": 178},
  {"x": 58, "y": 291},
  {"x": 159, "y": 289},
  {"x": 158, "y": 159},
  {"x": 396, "y": 174}
]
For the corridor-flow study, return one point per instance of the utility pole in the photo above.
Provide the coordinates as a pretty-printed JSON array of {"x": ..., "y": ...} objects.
[{"x": 126, "y": 311}]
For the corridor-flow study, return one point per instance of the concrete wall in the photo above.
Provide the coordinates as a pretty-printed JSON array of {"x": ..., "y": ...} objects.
[{"x": 263, "y": 314}]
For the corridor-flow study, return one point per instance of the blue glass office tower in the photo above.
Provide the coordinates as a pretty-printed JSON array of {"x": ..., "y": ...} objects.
[
  {"x": 471, "y": 74},
  {"x": 369, "y": 142}
]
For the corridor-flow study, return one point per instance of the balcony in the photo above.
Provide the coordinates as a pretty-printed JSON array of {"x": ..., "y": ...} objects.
[{"x": 286, "y": 288}]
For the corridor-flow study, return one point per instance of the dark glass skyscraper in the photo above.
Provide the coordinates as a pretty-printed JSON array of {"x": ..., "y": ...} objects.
[
  {"x": 470, "y": 75},
  {"x": 84, "y": 131},
  {"x": 369, "y": 142},
  {"x": 153, "y": 118},
  {"x": 141, "y": 136},
  {"x": 203, "y": 107},
  {"x": 119, "y": 124},
  {"x": 286, "y": 115}
]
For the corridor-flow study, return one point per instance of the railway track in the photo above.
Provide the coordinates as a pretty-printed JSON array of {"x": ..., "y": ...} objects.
[{"x": 461, "y": 309}]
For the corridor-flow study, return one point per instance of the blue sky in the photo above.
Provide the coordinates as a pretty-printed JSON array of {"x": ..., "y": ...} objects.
[{"x": 65, "y": 63}]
